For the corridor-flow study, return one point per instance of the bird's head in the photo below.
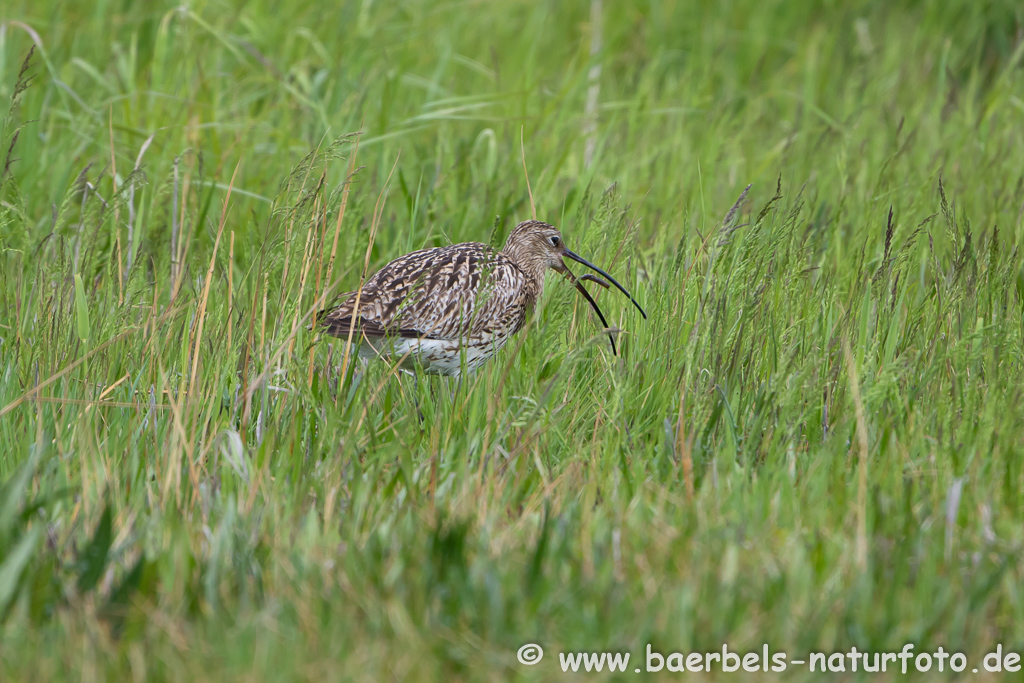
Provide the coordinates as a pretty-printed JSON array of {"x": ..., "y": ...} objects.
[{"x": 536, "y": 246}]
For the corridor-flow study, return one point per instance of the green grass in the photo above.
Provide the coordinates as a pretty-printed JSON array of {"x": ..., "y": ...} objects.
[{"x": 814, "y": 441}]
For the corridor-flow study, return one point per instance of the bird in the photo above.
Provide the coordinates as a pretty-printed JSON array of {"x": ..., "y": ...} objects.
[{"x": 446, "y": 310}]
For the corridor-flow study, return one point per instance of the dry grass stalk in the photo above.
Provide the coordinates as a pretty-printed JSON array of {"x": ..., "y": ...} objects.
[{"x": 201, "y": 313}]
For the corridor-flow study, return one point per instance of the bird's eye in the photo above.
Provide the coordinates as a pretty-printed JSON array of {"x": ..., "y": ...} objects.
[{"x": 554, "y": 240}]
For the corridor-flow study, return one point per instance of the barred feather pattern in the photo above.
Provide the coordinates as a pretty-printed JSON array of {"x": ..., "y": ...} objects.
[{"x": 436, "y": 308}]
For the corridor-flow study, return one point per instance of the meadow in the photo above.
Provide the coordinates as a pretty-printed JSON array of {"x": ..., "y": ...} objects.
[{"x": 813, "y": 443}]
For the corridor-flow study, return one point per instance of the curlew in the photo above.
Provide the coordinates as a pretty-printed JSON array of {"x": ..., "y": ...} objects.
[{"x": 448, "y": 308}]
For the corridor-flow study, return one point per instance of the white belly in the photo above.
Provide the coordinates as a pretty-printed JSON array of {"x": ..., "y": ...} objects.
[{"x": 433, "y": 356}]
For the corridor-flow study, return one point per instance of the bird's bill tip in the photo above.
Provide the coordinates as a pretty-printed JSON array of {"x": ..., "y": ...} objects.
[
  {"x": 588, "y": 264},
  {"x": 593, "y": 304}
]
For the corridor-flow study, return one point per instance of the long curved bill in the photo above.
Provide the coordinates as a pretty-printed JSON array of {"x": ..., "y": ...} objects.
[
  {"x": 588, "y": 264},
  {"x": 593, "y": 304}
]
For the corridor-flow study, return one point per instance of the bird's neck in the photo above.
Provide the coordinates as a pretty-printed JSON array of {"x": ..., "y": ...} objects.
[{"x": 534, "y": 268}]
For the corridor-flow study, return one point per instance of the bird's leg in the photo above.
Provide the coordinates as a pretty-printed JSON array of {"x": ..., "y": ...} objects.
[
  {"x": 457, "y": 389},
  {"x": 415, "y": 394}
]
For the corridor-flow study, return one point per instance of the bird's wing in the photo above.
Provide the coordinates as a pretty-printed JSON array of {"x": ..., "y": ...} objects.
[{"x": 440, "y": 293}]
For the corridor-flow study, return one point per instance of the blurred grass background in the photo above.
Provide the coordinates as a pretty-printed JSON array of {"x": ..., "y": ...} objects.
[{"x": 813, "y": 442}]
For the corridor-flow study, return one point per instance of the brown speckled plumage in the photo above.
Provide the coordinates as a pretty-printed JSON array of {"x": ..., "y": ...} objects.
[{"x": 437, "y": 307}]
